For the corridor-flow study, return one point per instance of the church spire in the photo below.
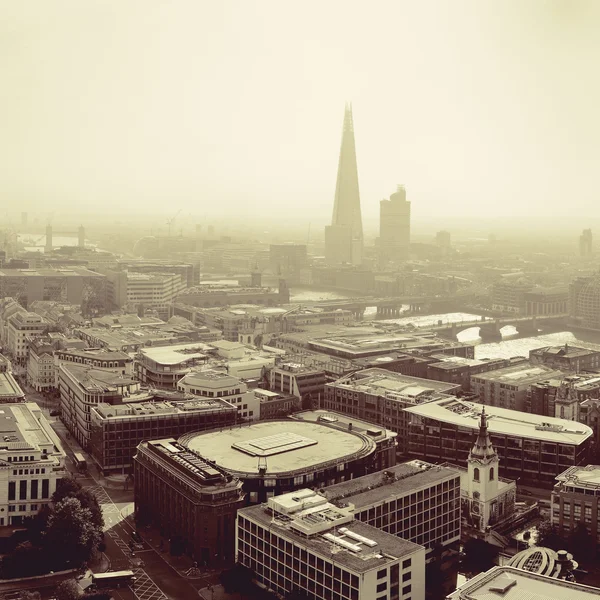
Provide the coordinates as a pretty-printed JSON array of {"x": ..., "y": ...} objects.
[{"x": 482, "y": 449}]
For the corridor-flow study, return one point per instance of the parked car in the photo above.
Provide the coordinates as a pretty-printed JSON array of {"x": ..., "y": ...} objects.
[{"x": 55, "y": 413}]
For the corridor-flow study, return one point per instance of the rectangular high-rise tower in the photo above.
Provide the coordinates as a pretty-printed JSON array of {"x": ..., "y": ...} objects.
[
  {"x": 394, "y": 227},
  {"x": 344, "y": 237}
]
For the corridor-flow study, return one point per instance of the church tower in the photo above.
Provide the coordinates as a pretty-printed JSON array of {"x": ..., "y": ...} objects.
[{"x": 482, "y": 471}]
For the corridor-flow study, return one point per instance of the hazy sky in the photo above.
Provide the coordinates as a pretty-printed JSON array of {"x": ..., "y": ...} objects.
[{"x": 478, "y": 107}]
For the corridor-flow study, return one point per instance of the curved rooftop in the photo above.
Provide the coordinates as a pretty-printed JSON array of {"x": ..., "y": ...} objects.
[{"x": 287, "y": 446}]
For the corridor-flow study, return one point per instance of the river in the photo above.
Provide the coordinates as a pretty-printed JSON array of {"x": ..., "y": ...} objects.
[{"x": 513, "y": 343}]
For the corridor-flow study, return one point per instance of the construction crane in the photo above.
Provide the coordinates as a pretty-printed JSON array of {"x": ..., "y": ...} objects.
[{"x": 172, "y": 220}]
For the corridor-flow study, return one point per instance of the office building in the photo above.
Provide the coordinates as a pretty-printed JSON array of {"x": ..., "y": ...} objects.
[
  {"x": 511, "y": 583},
  {"x": 210, "y": 383},
  {"x": 385, "y": 439},
  {"x": 529, "y": 446},
  {"x": 20, "y": 327},
  {"x": 41, "y": 370},
  {"x": 546, "y": 301},
  {"x": 459, "y": 370},
  {"x": 589, "y": 414},
  {"x": 585, "y": 243},
  {"x": 380, "y": 396},
  {"x": 575, "y": 500},
  {"x": 188, "y": 499},
  {"x": 584, "y": 302},
  {"x": 117, "y": 429},
  {"x": 344, "y": 237},
  {"x": 75, "y": 285},
  {"x": 274, "y": 405},
  {"x": 394, "y": 227},
  {"x": 305, "y": 383},
  {"x": 215, "y": 295},
  {"x": 279, "y": 456},
  {"x": 508, "y": 387},
  {"x": 299, "y": 541},
  {"x": 508, "y": 294},
  {"x": 416, "y": 501},
  {"x": 566, "y": 358},
  {"x": 33, "y": 461},
  {"x": 288, "y": 260},
  {"x": 562, "y": 397},
  {"x": 443, "y": 239}
]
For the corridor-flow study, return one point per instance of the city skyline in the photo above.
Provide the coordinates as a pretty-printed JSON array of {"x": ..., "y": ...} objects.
[{"x": 192, "y": 107}]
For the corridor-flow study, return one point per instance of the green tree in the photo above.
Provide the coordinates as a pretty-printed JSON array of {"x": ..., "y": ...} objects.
[
  {"x": 479, "y": 556},
  {"x": 68, "y": 590},
  {"x": 71, "y": 535},
  {"x": 69, "y": 488},
  {"x": 580, "y": 543},
  {"x": 549, "y": 537}
]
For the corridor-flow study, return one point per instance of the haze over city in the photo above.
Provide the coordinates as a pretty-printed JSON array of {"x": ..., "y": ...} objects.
[{"x": 481, "y": 109}]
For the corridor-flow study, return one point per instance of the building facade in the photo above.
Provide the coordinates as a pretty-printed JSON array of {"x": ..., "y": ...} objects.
[
  {"x": 394, "y": 227},
  {"x": 299, "y": 541},
  {"x": 566, "y": 358},
  {"x": 305, "y": 383},
  {"x": 188, "y": 499}
]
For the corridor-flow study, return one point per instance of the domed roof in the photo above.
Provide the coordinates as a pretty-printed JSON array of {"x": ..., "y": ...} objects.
[{"x": 543, "y": 561}]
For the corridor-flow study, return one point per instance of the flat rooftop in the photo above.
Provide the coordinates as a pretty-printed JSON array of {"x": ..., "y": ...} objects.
[
  {"x": 387, "y": 548},
  {"x": 66, "y": 272},
  {"x": 581, "y": 477},
  {"x": 97, "y": 380},
  {"x": 344, "y": 422},
  {"x": 9, "y": 388},
  {"x": 163, "y": 408},
  {"x": 385, "y": 383},
  {"x": 510, "y": 583},
  {"x": 519, "y": 375},
  {"x": 503, "y": 421},
  {"x": 176, "y": 353},
  {"x": 566, "y": 351},
  {"x": 289, "y": 445},
  {"x": 375, "y": 488}
]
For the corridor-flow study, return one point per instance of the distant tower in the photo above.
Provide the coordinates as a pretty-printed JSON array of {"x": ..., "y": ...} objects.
[
  {"x": 394, "y": 227},
  {"x": 585, "y": 243},
  {"x": 344, "y": 237},
  {"x": 48, "y": 247},
  {"x": 81, "y": 236},
  {"x": 482, "y": 470},
  {"x": 256, "y": 279}
]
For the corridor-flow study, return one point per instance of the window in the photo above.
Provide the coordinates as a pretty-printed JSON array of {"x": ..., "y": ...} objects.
[
  {"x": 382, "y": 587},
  {"x": 34, "y": 507},
  {"x": 381, "y": 574},
  {"x": 23, "y": 489},
  {"x": 34, "y": 489},
  {"x": 22, "y": 507},
  {"x": 475, "y": 474},
  {"x": 492, "y": 474},
  {"x": 12, "y": 508},
  {"x": 45, "y": 488},
  {"x": 406, "y": 589},
  {"x": 406, "y": 577},
  {"x": 12, "y": 490},
  {"x": 406, "y": 563}
]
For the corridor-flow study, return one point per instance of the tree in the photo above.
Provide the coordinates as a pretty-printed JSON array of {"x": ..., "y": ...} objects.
[
  {"x": 69, "y": 488},
  {"x": 479, "y": 556},
  {"x": 26, "y": 560},
  {"x": 71, "y": 535},
  {"x": 548, "y": 536},
  {"x": 581, "y": 543},
  {"x": 68, "y": 590}
]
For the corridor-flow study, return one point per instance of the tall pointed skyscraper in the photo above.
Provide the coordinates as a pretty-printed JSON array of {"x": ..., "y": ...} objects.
[{"x": 344, "y": 238}]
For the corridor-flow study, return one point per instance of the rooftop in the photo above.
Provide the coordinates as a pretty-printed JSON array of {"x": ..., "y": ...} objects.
[
  {"x": 291, "y": 446},
  {"x": 391, "y": 483},
  {"x": 308, "y": 520},
  {"x": 176, "y": 353},
  {"x": 503, "y": 421},
  {"x": 97, "y": 380},
  {"x": 566, "y": 351},
  {"x": 70, "y": 272},
  {"x": 510, "y": 583},
  {"x": 140, "y": 409},
  {"x": 9, "y": 388},
  {"x": 521, "y": 375},
  {"x": 581, "y": 477}
]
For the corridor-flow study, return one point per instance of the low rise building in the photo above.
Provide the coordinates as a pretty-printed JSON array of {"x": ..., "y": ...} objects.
[
  {"x": 576, "y": 499},
  {"x": 544, "y": 301},
  {"x": 10, "y": 391},
  {"x": 380, "y": 396},
  {"x": 529, "y": 446},
  {"x": 416, "y": 501},
  {"x": 275, "y": 405},
  {"x": 210, "y": 383},
  {"x": 306, "y": 383},
  {"x": 589, "y": 414},
  {"x": 117, "y": 429},
  {"x": 32, "y": 461},
  {"x": 21, "y": 326},
  {"x": 188, "y": 499},
  {"x": 566, "y": 358},
  {"x": 41, "y": 371},
  {"x": 299, "y": 541},
  {"x": 511, "y": 583},
  {"x": 508, "y": 387}
]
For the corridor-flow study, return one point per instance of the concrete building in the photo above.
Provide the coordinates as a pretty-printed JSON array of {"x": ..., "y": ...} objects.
[
  {"x": 508, "y": 294},
  {"x": 280, "y": 456},
  {"x": 575, "y": 499},
  {"x": 41, "y": 370},
  {"x": 273, "y": 405},
  {"x": 210, "y": 383},
  {"x": 344, "y": 238},
  {"x": 566, "y": 358},
  {"x": 459, "y": 370},
  {"x": 562, "y": 397},
  {"x": 299, "y": 541},
  {"x": 117, "y": 429},
  {"x": 33, "y": 461},
  {"x": 188, "y": 499},
  {"x": 589, "y": 414},
  {"x": 213, "y": 294},
  {"x": 82, "y": 388},
  {"x": 394, "y": 227},
  {"x": 508, "y": 387},
  {"x": 544, "y": 301},
  {"x": 510, "y": 583},
  {"x": 416, "y": 501},
  {"x": 75, "y": 285},
  {"x": 164, "y": 366},
  {"x": 529, "y": 446},
  {"x": 305, "y": 383},
  {"x": 288, "y": 260},
  {"x": 380, "y": 396},
  {"x": 584, "y": 302}
]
